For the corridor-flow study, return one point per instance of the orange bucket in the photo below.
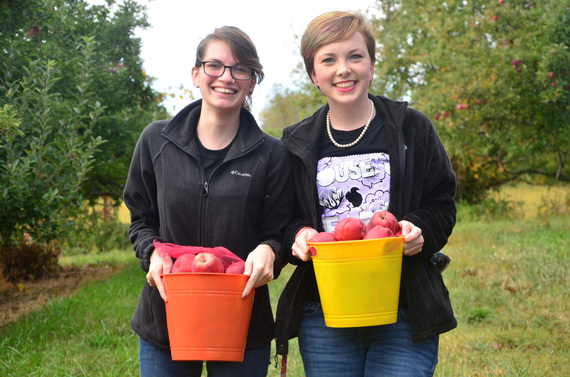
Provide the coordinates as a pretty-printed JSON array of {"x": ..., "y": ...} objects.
[
  {"x": 359, "y": 281},
  {"x": 206, "y": 316}
]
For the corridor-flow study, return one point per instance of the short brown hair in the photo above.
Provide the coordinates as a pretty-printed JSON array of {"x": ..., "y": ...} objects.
[
  {"x": 243, "y": 50},
  {"x": 334, "y": 27}
]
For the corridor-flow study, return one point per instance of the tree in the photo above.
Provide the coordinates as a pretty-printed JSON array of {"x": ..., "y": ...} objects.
[
  {"x": 46, "y": 150},
  {"x": 73, "y": 100},
  {"x": 51, "y": 30},
  {"x": 494, "y": 77},
  {"x": 287, "y": 106}
]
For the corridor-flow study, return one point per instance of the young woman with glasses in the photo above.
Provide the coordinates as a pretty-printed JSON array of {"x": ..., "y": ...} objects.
[
  {"x": 210, "y": 177},
  {"x": 389, "y": 155}
]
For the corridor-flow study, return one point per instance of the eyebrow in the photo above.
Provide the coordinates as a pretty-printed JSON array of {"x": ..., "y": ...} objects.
[{"x": 359, "y": 50}]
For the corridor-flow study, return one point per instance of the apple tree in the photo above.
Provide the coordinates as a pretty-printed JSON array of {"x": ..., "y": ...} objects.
[
  {"x": 287, "y": 106},
  {"x": 494, "y": 77},
  {"x": 73, "y": 100}
]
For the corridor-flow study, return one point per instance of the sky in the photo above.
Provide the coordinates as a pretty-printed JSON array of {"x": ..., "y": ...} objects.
[{"x": 177, "y": 26}]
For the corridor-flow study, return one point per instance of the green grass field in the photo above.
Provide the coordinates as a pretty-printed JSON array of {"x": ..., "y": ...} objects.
[{"x": 509, "y": 282}]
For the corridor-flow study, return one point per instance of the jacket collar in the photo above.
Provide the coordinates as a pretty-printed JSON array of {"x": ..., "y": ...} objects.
[
  {"x": 181, "y": 130},
  {"x": 305, "y": 135}
]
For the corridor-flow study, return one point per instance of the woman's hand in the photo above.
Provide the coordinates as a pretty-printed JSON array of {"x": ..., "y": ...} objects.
[
  {"x": 413, "y": 239},
  {"x": 160, "y": 263},
  {"x": 259, "y": 267},
  {"x": 300, "y": 248}
]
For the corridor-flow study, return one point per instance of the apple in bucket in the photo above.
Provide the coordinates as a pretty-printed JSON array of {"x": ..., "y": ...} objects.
[
  {"x": 321, "y": 237},
  {"x": 183, "y": 263},
  {"x": 349, "y": 228},
  {"x": 378, "y": 232},
  {"x": 236, "y": 268},
  {"x": 384, "y": 219},
  {"x": 206, "y": 262}
]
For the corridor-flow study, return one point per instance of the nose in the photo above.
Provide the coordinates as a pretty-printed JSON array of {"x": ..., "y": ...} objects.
[
  {"x": 343, "y": 68},
  {"x": 227, "y": 76}
]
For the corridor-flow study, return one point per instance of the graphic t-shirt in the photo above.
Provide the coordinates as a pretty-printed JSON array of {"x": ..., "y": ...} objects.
[{"x": 353, "y": 181}]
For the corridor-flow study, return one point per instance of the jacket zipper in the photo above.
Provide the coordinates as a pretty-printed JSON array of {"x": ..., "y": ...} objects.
[{"x": 206, "y": 185}]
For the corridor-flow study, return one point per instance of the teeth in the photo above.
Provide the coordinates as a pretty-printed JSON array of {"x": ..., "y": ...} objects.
[
  {"x": 224, "y": 90},
  {"x": 345, "y": 84}
]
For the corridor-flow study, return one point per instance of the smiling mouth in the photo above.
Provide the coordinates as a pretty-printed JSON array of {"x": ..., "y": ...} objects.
[
  {"x": 225, "y": 90},
  {"x": 345, "y": 84}
]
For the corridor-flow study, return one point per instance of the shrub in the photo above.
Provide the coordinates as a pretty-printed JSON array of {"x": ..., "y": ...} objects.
[{"x": 29, "y": 260}]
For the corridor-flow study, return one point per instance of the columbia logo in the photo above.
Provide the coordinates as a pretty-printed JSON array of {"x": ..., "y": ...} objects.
[{"x": 235, "y": 172}]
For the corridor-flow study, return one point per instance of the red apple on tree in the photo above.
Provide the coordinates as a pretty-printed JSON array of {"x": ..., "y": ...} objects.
[
  {"x": 385, "y": 219},
  {"x": 206, "y": 262},
  {"x": 34, "y": 30}
]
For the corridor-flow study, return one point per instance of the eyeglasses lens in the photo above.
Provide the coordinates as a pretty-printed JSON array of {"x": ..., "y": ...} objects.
[{"x": 238, "y": 72}]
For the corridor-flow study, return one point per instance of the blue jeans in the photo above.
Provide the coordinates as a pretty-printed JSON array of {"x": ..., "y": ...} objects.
[
  {"x": 375, "y": 351},
  {"x": 156, "y": 362}
]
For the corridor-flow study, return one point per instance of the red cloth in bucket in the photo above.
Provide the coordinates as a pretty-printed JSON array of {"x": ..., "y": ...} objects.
[{"x": 175, "y": 251}]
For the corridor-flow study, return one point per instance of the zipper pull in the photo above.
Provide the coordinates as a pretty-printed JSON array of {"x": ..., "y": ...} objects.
[{"x": 205, "y": 188}]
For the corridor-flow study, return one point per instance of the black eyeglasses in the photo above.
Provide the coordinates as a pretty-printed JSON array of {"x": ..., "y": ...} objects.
[{"x": 238, "y": 72}]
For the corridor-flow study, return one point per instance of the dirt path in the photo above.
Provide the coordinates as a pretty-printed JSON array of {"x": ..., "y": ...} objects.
[{"x": 23, "y": 298}]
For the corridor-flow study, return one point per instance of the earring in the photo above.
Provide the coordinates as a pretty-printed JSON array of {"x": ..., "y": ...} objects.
[{"x": 196, "y": 85}]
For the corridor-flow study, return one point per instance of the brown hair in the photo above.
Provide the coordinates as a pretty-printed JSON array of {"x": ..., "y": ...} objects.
[
  {"x": 243, "y": 50},
  {"x": 334, "y": 27}
]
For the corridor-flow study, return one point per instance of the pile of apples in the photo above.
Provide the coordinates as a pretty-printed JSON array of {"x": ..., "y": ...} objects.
[
  {"x": 382, "y": 224},
  {"x": 207, "y": 262}
]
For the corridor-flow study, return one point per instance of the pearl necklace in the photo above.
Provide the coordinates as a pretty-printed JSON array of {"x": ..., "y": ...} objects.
[{"x": 361, "y": 134}]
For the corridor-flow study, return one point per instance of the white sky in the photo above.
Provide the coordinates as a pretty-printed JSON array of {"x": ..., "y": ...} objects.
[{"x": 177, "y": 26}]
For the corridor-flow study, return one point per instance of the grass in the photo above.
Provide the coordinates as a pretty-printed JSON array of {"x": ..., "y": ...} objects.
[
  {"x": 509, "y": 282},
  {"x": 87, "y": 334}
]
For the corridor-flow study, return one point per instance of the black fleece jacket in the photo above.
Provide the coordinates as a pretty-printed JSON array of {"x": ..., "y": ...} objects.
[
  {"x": 422, "y": 190},
  {"x": 247, "y": 201}
]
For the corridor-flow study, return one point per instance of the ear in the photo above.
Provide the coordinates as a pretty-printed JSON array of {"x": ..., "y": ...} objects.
[
  {"x": 314, "y": 79},
  {"x": 253, "y": 83},
  {"x": 371, "y": 71},
  {"x": 195, "y": 73}
]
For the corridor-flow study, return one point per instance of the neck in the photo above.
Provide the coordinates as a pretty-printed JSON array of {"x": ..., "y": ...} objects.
[
  {"x": 217, "y": 129},
  {"x": 348, "y": 117}
]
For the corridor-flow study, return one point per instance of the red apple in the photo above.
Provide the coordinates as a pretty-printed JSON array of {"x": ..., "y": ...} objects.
[
  {"x": 321, "y": 237},
  {"x": 385, "y": 219},
  {"x": 206, "y": 262},
  {"x": 236, "y": 268},
  {"x": 183, "y": 263},
  {"x": 378, "y": 232},
  {"x": 33, "y": 31},
  {"x": 349, "y": 228}
]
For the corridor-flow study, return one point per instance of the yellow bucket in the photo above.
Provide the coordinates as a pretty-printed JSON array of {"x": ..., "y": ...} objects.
[{"x": 359, "y": 281}]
